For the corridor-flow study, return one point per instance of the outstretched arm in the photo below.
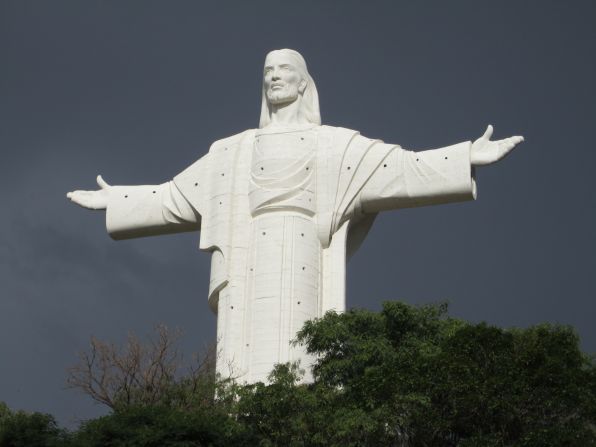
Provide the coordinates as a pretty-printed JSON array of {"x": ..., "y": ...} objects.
[
  {"x": 407, "y": 179},
  {"x": 136, "y": 211}
]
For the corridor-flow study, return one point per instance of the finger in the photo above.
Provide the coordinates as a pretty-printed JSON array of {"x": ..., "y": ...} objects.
[
  {"x": 83, "y": 199},
  {"x": 102, "y": 183},
  {"x": 507, "y": 145},
  {"x": 488, "y": 133},
  {"x": 77, "y": 195},
  {"x": 504, "y": 148},
  {"x": 76, "y": 198},
  {"x": 69, "y": 195},
  {"x": 515, "y": 140}
]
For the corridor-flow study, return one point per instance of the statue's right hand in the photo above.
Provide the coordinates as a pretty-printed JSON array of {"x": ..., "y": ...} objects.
[{"x": 94, "y": 200}]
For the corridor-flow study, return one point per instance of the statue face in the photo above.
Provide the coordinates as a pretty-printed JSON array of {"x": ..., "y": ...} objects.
[{"x": 282, "y": 80}]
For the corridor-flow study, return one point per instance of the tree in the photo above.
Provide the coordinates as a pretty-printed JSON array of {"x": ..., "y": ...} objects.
[
  {"x": 143, "y": 374},
  {"x": 404, "y": 376},
  {"x": 437, "y": 381},
  {"x": 22, "y": 429},
  {"x": 162, "y": 426}
]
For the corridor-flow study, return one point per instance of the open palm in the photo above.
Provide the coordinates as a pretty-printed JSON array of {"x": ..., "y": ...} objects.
[
  {"x": 485, "y": 152},
  {"x": 94, "y": 200}
]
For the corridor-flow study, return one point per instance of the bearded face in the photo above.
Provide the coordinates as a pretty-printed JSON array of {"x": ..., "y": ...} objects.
[{"x": 282, "y": 81}]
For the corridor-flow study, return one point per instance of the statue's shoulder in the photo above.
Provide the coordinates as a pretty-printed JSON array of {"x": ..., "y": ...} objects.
[
  {"x": 349, "y": 136},
  {"x": 230, "y": 142},
  {"x": 218, "y": 154},
  {"x": 338, "y": 138},
  {"x": 337, "y": 131}
]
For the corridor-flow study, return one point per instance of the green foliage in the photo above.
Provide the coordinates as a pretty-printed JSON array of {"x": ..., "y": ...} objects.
[
  {"x": 286, "y": 412},
  {"x": 160, "y": 426},
  {"x": 5, "y": 413},
  {"x": 439, "y": 381},
  {"x": 21, "y": 429},
  {"x": 404, "y": 376},
  {"x": 277, "y": 414}
]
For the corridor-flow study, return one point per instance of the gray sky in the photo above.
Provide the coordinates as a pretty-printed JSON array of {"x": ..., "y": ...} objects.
[{"x": 138, "y": 90}]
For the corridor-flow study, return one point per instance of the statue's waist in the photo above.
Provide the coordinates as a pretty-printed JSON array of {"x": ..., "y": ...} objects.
[{"x": 300, "y": 200}]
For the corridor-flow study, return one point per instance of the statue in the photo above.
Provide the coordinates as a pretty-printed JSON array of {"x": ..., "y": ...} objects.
[{"x": 281, "y": 208}]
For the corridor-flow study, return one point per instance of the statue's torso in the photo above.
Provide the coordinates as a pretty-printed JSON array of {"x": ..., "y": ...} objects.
[{"x": 278, "y": 289}]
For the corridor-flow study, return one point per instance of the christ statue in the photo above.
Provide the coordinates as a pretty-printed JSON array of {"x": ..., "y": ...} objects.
[{"x": 281, "y": 208}]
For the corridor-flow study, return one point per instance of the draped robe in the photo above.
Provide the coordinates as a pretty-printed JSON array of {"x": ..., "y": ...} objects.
[{"x": 280, "y": 212}]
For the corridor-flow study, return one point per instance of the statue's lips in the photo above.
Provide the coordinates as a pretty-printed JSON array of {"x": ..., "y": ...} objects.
[{"x": 276, "y": 86}]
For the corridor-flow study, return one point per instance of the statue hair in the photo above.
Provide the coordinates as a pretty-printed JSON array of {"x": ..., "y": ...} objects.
[{"x": 309, "y": 105}]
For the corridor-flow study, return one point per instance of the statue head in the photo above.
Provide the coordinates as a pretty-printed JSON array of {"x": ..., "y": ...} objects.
[{"x": 286, "y": 80}]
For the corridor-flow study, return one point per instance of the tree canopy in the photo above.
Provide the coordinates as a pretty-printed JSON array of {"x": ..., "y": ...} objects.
[{"x": 404, "y": 376}]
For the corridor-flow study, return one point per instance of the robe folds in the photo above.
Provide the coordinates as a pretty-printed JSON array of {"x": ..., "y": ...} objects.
[{"x": 353, "y": 179}]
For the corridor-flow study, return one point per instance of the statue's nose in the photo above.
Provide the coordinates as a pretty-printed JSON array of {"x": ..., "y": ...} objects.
[{"x": 275, "y": 75}]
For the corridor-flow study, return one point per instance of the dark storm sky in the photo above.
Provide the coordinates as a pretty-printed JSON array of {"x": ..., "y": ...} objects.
[{"x": 138, "y": 90}]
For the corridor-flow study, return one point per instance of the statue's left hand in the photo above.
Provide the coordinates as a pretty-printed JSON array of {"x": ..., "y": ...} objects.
[
  {"x": 486, "y": 152},
  {"x": 93, "y": 200}
]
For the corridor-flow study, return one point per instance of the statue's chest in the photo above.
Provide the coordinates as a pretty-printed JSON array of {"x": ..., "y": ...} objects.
[
  {"x": 283, "y": 172},
  {"x": 274, "y": 155}
]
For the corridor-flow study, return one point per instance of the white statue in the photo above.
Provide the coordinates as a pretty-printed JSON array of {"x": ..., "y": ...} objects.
[{"x": 281, "y": 207}]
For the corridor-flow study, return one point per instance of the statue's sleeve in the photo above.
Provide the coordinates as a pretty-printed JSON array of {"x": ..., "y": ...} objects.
[
  {"x": 407, "y": 179},
  {"x": 148, "y": 210}
]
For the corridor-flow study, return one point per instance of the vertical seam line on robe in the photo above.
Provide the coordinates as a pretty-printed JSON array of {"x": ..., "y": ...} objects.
[{"x": 340, "y": 167}]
